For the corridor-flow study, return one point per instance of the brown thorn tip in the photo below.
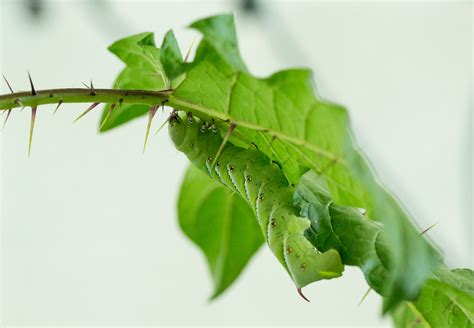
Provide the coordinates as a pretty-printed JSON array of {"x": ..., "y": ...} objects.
[
  {"x": 91, "y": 107},
  {"x": 57, "y": 107},
  {"x": 8, "y": 84},
  {"x": 32, "y": 126},
  {"x": 302, "y": 295},
  {"x": 188, "y": 53},
  {"x": 429, "y": 228},
  {"x": 33, "y": 91},
  {"x": 92, "y": 89},
  {"x": 6, "y": 118}
]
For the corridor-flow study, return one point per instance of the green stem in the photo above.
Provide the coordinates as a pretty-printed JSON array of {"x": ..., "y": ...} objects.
[
  {"x": 54, "y": 96},
  {"x": 150, "y": 98}
]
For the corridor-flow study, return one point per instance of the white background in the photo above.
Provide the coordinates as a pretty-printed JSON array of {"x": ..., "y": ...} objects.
[{"x": 89, "y": 232}]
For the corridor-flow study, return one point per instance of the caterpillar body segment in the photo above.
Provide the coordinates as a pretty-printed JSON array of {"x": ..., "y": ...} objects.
[{"x": 261, "y": 183}]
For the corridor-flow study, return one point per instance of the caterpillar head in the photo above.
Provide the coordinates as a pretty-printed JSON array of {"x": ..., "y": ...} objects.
[{"x": 181, "y": 129}]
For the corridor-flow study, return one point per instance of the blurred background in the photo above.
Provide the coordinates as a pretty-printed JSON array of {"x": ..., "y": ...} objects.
[{"x": 89, "y": 234}]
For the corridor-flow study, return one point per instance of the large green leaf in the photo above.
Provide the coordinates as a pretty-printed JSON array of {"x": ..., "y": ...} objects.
[
  {"x": 287, "y": 121},
  {"x": 284, "y": 118},
  {"x": 143, "y": 71},
  {"x": 222, "y": 225},
  {"x": 446, "y": 298},
  {"x": 360, "y": 242}
]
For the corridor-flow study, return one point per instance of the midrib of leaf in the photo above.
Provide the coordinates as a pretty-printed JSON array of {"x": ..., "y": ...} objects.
[
  {"x": 418, "y": 315},
  {"x": 186, "y": 105}
]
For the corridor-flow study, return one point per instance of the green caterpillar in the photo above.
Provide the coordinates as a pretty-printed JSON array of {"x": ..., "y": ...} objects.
[{"x": 249, "y": 173}]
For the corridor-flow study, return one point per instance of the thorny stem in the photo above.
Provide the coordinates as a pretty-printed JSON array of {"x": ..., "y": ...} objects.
[
  {"x": 54, "y": 96},
  {"x": 144, "y": 97}
]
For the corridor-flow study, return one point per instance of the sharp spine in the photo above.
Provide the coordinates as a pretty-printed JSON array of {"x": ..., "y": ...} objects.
[
  {"x": 32, "y": 126},
  {"x": 8, "y": 84},
  {"x": 6, "y": 118},
  {"x": 151, "y": 114},
  {"x": 91, "y": 107},
  {"x": 33, "y": 91},
  {"x": 57, "y": 107}
]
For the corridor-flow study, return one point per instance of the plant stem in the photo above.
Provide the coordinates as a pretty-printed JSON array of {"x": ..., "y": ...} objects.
[
  {"x": 54, "y": 96},
  {"x": 144, "y": 97}
]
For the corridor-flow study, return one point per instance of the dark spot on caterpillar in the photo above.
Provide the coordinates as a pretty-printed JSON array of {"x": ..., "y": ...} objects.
[
  {"x": 303, "y": 266},
  {"x": 51, "y": 95},
  {"x": 209, "y": 159},
  {"x": 289, "y": 250},
  {"x": 248, "y": 178},
  {"x": 253, "y": 144},
  {"x": 273, "y": 223},
  {"x": 191, "y": 145},
  {"x": 174, "y": 118},
  {"x": 190, "y": 118},
  {"x": 261, "y": 197},
  {"x": 126, "y": 93},
  {"x": 218, "y": 164},
  {"x": 203, "y": 127},
  {"x": 231, "y": 168},
  {"x": 213, "y": 128},
  {"x": 143, "y": 97}
]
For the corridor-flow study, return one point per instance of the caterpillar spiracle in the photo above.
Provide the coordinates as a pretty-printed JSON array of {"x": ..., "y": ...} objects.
[{"x": 261, "y": 183}]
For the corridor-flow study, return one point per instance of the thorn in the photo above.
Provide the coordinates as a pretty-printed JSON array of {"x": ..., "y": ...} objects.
[
  {"x": 364, "y": 297},
  {"x": 6, "y": 118},
  {"x": 189, "y": 50},
  {"x": 8, "y": 84},
  {"x": 91, "y": 107},
  {"x": 302, "y": 295},
  {"x": 151, "y": 114},
  {"x": 87, "y": 87},
  {"x": 32, "y": 126},
  {"x": 33, "y": 91},
  {"x": 162, "y": 125},
  {"x": 224, "y": 141},
  {"x": 57, "y": 107},
  {"x": 429, "y": 228},
  {"x": 106, "y": 118}
]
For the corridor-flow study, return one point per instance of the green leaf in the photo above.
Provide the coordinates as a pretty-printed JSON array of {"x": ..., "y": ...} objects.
[
  {"x": 219, "y": 31},
  {"x": 284, "y": 118},
  {"x": 360, "y": 242},
  {"x": 171, "y": 59},
  {"x": 222, "y": 225},
  {"x": 143, "y": 71},
  {"x": 446, "y": 300}
]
